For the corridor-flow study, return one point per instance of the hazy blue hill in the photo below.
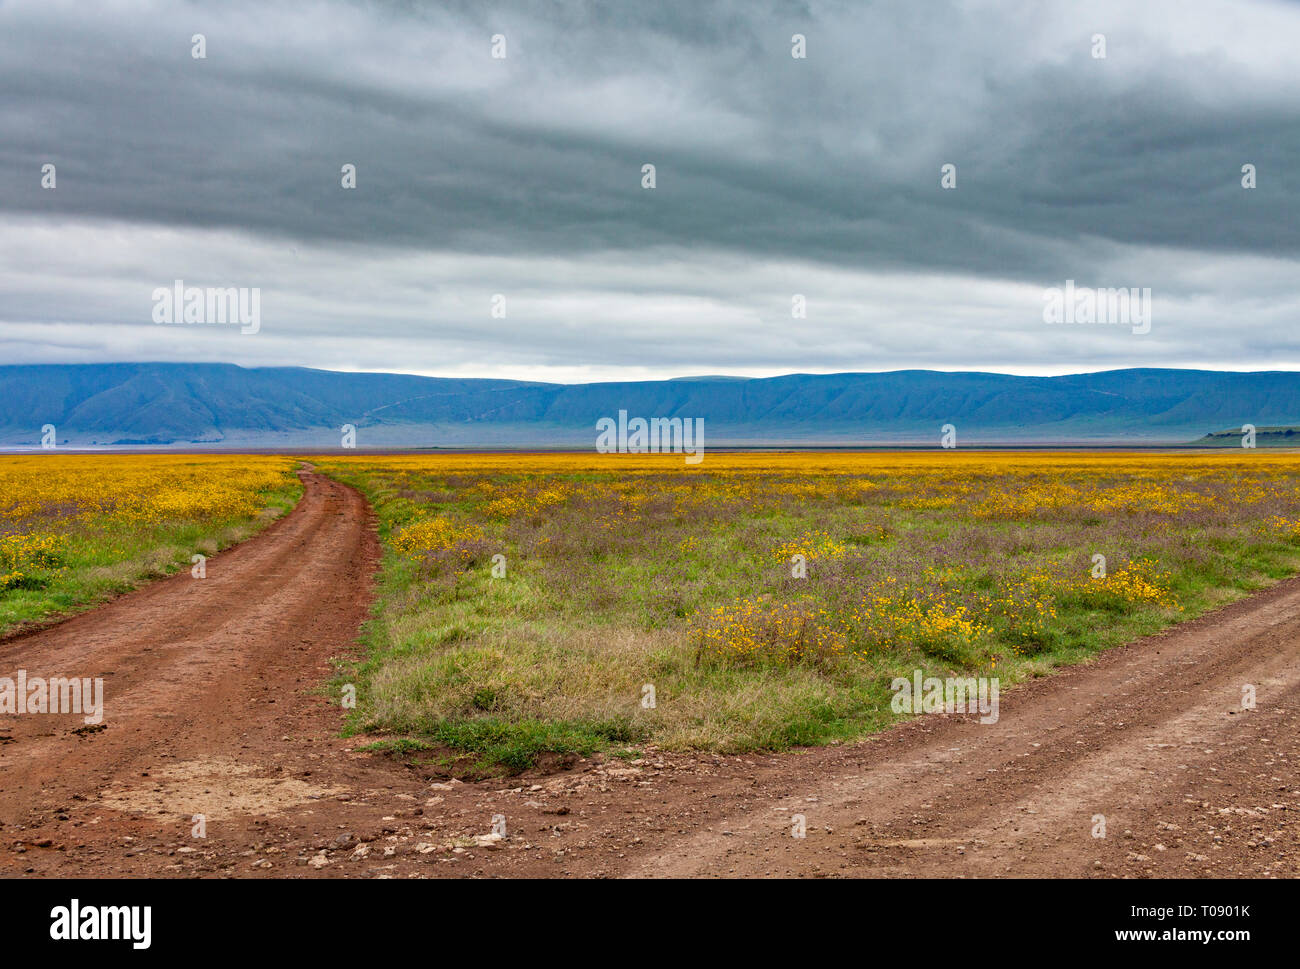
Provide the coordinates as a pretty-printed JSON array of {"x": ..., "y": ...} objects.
[{"x": 185, "y": 403}]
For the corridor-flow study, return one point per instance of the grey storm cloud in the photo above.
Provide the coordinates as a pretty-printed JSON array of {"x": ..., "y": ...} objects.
[{"x": 775, "y": 175}]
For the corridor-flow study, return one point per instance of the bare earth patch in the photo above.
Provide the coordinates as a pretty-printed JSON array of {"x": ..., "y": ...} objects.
[{"x": 215, "y": 788}]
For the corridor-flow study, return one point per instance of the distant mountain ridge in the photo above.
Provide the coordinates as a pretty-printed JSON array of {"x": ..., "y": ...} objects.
[{"x": 182, "y": 404}]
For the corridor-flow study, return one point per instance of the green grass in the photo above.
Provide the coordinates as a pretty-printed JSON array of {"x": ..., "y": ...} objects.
[{"x": 603, "y": 591}]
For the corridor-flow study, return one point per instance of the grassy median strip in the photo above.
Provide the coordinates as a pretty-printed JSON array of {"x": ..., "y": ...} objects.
[{"x": 562, "y": 604}]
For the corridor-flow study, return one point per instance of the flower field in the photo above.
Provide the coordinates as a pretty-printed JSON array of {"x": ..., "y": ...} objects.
[
  {"x": 529, "y": 603},
  {"x": 532, "y": 603},
  {"x": 77, "y": 528}
]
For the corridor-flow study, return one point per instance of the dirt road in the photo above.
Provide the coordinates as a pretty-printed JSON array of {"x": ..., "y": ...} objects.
[{"x": 213, "y": 711}]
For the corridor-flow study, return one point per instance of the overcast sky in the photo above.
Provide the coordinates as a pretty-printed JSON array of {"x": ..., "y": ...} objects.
[{"x": 775, "y": 175}]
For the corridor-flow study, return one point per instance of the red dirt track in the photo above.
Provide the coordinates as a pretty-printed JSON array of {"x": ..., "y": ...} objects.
[{"x": 213, "y": 707}]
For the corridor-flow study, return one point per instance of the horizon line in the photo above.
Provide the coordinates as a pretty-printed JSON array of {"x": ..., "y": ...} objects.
[{"x": 714, "y": 376}]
